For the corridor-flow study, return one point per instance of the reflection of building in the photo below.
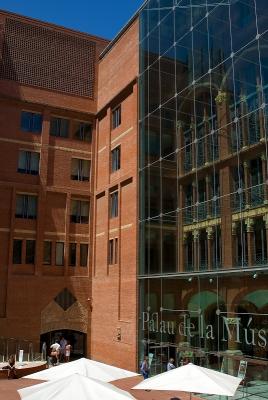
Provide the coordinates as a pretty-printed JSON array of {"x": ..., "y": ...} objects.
[{"x": 203, "y": 184}]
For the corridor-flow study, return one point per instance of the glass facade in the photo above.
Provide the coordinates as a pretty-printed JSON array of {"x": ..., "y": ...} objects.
[{"x": 203, "y": 185}]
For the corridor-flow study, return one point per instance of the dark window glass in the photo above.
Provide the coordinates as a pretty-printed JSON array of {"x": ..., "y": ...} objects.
[
  {"x": 47, "y": 253},
  {"x": 17, "y": 251},
  {"x": 59, "y": 127},
  {"x": 79, "y": 211},
  {"x": 116, "y": 159},
  {"x": 72, "y": 254},
  {"x": 30, "y": 252},
  {"x": 80, "y": 170},
  {"x": 114, "y": 205},
  {"x": 82, "y": 131},
  {"x": 59, "y": 259},
  {"x": 111, "y": 252},
  {"x": 116, "y": 251},
  {"x": 31, "y": 122},
  {"x": 83, "y": 254},
  {"x": 26, "y": 206},
  {"x": 28, "y": 162},
  {"x": 116, "y": 117}
]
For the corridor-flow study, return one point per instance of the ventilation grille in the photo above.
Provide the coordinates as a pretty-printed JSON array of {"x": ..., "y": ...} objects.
[
  {"x": 42, "y": 57},
  {"x": 65, "y": 299}
]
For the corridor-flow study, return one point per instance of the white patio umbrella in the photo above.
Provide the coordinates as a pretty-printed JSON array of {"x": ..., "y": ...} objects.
[
  {"x": 74, "y": 387},
  {"x": 193, "y": 379},
  {"x": 83, "y": 366}
]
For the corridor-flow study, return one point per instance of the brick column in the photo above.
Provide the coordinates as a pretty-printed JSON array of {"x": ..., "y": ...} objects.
[
  {"x": 226, "y": 217},
  {"x": 250, "y": 237},
  {"x": 223, "y": 118}
]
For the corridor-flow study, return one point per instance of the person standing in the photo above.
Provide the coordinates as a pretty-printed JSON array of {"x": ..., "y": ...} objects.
[
  {"x": 63, "y": 343},
  {"x": 170, "y": 364},
  {"x": 55, "y": 351},
  {"x": 68, "y": 349},
  {"x": 145, "y": 368}
]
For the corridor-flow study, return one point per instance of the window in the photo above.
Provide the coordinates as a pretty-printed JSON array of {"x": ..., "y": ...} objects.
[
  {"x": 114, "y": 205},
  {"x": 83, "y": 254},
  {"x": 26, "y": 206},
  {"x": 30, "y": 252},
  {"x": 113, "y": 251},
  {"x": 59, "y": 253},
  {"x": 72, "y": 254},
  {"x": 17, "y": 251},
  {"x": 59, "y": 127},
  {"x": 79, "y": 211},
  {"x": 82, "y": 131},
  {"x": 47, "y": 253},
  {"x": 116, "y": 117},
  {"x": 28, "y": 162},
  {"x": 80, "y": 170},
  {"x": 31, "y": 122},
  {"x": 116, "y": 159}
]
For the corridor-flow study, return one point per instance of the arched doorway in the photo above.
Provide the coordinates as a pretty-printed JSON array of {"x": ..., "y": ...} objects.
[{"x": 78, "y": 341}]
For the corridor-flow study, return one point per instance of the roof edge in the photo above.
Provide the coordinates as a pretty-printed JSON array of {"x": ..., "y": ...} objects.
[{"x": 47, "y": 24}]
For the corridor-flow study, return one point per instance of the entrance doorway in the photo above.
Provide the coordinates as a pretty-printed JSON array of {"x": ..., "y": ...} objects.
[{"x": 77, "y": 341}]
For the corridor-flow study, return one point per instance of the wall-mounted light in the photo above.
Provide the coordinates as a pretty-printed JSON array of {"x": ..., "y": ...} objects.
[
  {"x": 255, "y": 275},
  {"x": 210, "y": 280},
  {"x": 190, "y": 279}
]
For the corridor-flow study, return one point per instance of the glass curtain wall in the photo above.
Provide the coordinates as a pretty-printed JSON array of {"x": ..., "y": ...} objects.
[{"x": 203, "y": 185}]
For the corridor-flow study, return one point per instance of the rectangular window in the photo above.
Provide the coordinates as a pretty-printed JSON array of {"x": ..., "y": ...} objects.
[
  {"x": 59, "y": 127},
  {"x": 47, "y": 253},
  {"x": 28, "y": 162},
  {"x": 26, "y": 206},
  {"x": 80, "y": 170},
  {"x": 111, "y": 252},
  {"x": 116, "y": 117},
  {"x": 72, "y": 254},
  {"x": 79, "y": 211},
  {"x": 82, "y": 131},
  {"x": 17, "y": 251},
  {"x": 59, "y": 259},
  {"x": 116, "y": 251},
  {"x": 83, "y": 254},
  {"x": 30, "y": 252},
  {"x": 31, "y": 122},
  {"x": 115, "y": 159},
  {"x": 114, "y": 205}
]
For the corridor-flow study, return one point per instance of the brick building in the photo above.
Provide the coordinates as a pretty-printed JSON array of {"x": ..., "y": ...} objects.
[{"x": 174, "y": 210}]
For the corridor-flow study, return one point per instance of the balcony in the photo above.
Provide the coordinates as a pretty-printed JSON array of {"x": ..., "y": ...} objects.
[
  {"x": 202, "y": 211},
  {"x": 187, "y": 161},
  {"x": 256, "y": 195},
  {"x": 260, "y": 258}
]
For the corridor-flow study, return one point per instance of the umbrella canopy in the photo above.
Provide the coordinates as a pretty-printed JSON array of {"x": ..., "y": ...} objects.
[
  {"x": 83, "y": 366},
  {"x": 74, "y": 387},
  {"x": 193, "y": 379}
]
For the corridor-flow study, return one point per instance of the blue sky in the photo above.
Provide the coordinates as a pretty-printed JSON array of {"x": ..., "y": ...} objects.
[{"x": 98, "y": 17}]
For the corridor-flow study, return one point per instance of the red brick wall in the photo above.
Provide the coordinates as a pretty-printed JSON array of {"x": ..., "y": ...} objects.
[{"x": 114, "y": 304}]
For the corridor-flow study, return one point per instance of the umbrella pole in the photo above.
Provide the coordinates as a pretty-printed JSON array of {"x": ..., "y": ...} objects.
[{"x": 190, "y": 395}]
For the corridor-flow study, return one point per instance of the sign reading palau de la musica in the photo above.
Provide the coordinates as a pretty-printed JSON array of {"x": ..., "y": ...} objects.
[{"x": 232, "y": 329}]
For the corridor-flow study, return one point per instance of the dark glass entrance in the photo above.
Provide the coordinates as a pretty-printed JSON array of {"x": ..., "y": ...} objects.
[{"x": 77, "y": 341}]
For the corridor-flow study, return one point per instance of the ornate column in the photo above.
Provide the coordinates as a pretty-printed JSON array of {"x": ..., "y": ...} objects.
[
  {"x": 247, "y": 183},
  {"x": 196, "y": 234},
  {"x": 210, "y": 237},
  {"x": 265, "y": 177},
  {"x": 250, "y": 237},
  {"x": 208, "y": 195}
]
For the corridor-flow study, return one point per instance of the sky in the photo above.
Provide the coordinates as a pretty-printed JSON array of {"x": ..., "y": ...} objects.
[{"x": 102, "y": 18}]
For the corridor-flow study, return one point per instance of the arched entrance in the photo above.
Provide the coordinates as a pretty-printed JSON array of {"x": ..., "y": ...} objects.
[{"x": 78, "y": 341}]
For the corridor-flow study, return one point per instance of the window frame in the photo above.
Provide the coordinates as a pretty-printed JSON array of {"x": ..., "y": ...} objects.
[
  {"x": 79, "y": 218},
  {"x": 72, "y": 245},
  {"x": 21, "y": 250},
  {"x": 30, "y": 258},
  {"x": 80, "y": 176},
  {"x": 50, "y": 252},
  {"x": 80, "y": 255},
  {"x": 31, "y": 116},
  {"x": 114, "y": 205},
  {"x": 28, "y": 170},
  {"x": 116, "y": 116},
  {"x": 62, "y": 255},
  {"x": 58, "y": 120},
  {"x": 25, "y": 206},
  {"x": 82, "y": 136},
  {"x": 116, "y": 158}
]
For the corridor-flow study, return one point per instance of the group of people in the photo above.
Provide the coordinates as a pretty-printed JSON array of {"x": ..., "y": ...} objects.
[
  {"x": 145, "y": 366},
  {"x": 60, "y": 351}
]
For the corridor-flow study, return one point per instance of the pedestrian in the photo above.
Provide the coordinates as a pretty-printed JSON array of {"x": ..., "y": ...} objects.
[
  {"x": 170, "y": 364},
  {"x": 63, "y": 343},
  {"x": 55, "y": 352},
  {"x": 68, "y": 349},
  {"x": 11, "y": 374},
  {"x": 145, "y": 368}
]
